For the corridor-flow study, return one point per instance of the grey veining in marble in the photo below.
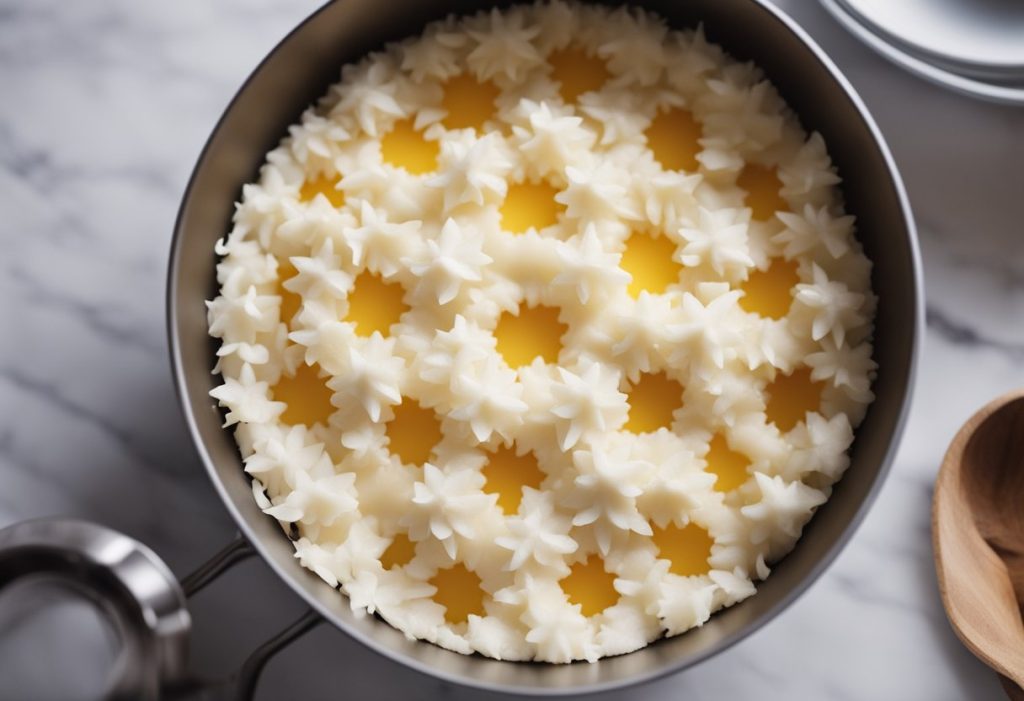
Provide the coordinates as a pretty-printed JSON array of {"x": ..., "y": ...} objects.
[{"x": 104, "y": 106}]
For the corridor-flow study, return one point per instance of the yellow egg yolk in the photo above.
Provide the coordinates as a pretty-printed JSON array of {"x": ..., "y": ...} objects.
[
  {"x": 507, "y": 473},
  {"x": 375, "y": 304},
  {"x": 534, "y": 332},
  {"x": 530, "y": 205},
  {"x": 762, "y": 186},
  {"x": 652, "y": 401},
  {"x": 576, "y": 72},
  {"x": 306, "y": 396},
  {"x": 323, "y": 186},
  {"x": 290, "y": 302},
  {"x": 770, "y": 292},
  {"x": 399, "y": 553},
  {"x": 459, "y": 591},
  {"x": 790, "y": 397},
  {"x": 469, "y": 103},
  {"x": 673, "y": 138},
  {"x": 648, "y": 260},
  {"x": 404, "y": 147},
  {"x": 726, "y": 464},
  {"x": 687, "y": 549},
  {"x": 590, "y": 586},
  {"x": 413, "y": 432}
]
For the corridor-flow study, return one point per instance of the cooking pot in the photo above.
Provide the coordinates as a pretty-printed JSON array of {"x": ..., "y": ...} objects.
[{"x": 291, "y": 77}]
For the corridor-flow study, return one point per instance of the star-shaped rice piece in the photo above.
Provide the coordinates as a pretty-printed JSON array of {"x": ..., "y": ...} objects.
[
  {"x": 551, "y": 141},
  {"x": 608, "y": 483},
  {"x": 505, "y": 47},
  {"x": 537, "y": 533},
  {"x": 719, "y": 240},
  {"x": 587, "y": 401},
  {"x": 246, "y": 399},
  {"x": 381, "y": 243},
  {"x": 833, "y": 306},
  {"x": 783, "y": 507},
  {"x": 472, "y": 171},
  {"x": 367, "y": 98},
  {"x": 588, "y": 269},
  {"x": 444, "y": 505},
  {"x": 814, "y": 227},
  {"x": 449, "y": 262},
  {"x": 371, "y": 376},
  {"x": 319, "y": 275}
]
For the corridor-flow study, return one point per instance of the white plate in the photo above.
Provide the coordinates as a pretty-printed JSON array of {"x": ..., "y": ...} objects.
[
  {"x": 977, "y": 38},
  {"x": 965, "y": 85}
]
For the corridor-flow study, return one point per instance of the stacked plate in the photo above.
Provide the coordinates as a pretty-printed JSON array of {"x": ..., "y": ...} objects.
[{"x": 975, "y": 47}]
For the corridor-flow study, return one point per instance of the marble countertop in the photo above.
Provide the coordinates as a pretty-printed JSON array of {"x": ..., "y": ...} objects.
[{"x": 105, "y": 107}]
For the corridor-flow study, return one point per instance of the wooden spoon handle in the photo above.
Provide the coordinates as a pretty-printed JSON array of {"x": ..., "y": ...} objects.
[{"x": 1014, "y": 692}]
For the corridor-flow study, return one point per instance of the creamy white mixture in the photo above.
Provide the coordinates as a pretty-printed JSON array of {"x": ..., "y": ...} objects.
[{"x": 607, "y": 494}]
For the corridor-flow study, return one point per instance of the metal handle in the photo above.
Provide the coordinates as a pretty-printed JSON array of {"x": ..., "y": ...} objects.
[
  {"x": 144, "y": 602},
  {"x": 241, "y": 684},
  {"x": 129, "y": 583},
  {"x": 227, "y": 557}
]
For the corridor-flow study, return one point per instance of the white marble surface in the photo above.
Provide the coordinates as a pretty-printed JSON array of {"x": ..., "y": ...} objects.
[{"x": 104, "y": 108}]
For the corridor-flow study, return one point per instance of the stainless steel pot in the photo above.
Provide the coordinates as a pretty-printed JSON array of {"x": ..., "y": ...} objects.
[{"x": 299, "y": 70}]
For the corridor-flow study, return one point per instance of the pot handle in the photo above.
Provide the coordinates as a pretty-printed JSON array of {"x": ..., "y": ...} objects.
[{"x": 141, "y": 598}]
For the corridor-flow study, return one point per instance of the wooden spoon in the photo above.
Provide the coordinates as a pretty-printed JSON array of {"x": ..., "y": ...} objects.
[{"x": 978, "y": 537}]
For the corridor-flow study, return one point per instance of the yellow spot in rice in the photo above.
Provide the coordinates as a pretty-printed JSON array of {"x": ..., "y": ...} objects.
[
  {"x": 399, "y": 553},
  {"x": 404, "y": 147},
  {"x": 652, "y": 401},
  {"x": 770, "y": 292},
  {"x": 469, "y": 103},
  {"x": 590, "y": 586},
  {"x": 290, "y": 302},
  {"x": 577, "y": 72},
  {"x": 413, "y": 432},
  {"x": 529, "y": 205},
  {"x": 687, "y": 549},
  {"x": 762, "y": 186},
  {"x": 459, "y": 591},
  {"x": 323, "y": 185},
  {"x": 506, "y": 475},
  {"x": 375, "y": 304},
  {"x": 306, "y": 395},
  {"x": 790, "y": 397},
  {"x": 673, "y": 138},
  {"x": 648, "y": 260},
  {"x": 726, "y": 464},
  {"x": 534, "y": 332}
]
